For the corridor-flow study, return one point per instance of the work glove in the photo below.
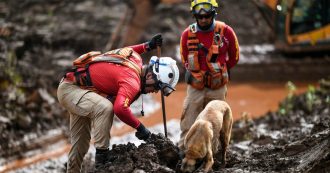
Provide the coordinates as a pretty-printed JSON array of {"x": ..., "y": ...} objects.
[
  {"x": 155, "y": 41},
  {"x": 142, "y": 132}
]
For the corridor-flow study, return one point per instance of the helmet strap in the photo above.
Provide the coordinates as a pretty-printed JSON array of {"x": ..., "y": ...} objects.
[
  {"x": 143, "y": 80},
  {"x": 154, "y": 77}
]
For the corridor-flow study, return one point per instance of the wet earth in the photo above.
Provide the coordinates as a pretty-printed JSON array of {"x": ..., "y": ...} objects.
[
  {"x": 38, "y": 43},
  {"x": 296, "y": 138}
]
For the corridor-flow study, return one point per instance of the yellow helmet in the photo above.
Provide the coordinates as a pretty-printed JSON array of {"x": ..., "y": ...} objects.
[{"x": 206, "y": 5}]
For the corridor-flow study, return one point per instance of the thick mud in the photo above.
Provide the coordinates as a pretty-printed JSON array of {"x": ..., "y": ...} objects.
[
  {"x": 296, "y": 138},
  {"x": 158, "y": 154},
  {"x": 39, "y": 39}
]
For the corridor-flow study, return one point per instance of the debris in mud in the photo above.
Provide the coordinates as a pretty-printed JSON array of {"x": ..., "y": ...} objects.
[
  {"x": 298, "y": 141},
  {"x": 158, "y": 154},
  {"x": 34, "y": 52}
]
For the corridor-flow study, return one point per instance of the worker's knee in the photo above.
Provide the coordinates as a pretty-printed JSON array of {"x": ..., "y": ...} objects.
[{"x": 104, "y": 108}]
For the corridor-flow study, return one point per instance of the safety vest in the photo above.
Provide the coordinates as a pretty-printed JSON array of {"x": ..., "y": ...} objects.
[
  {"x": 217, "y": 76},
  {"x": 118, "y": 56}
]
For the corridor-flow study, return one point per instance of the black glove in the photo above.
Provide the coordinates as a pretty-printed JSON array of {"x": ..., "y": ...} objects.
[
  {"x": 142, "y": 132},
  {"x": 155, "y": 41}
]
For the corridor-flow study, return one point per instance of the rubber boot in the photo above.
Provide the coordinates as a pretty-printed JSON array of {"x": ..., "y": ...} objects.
[{"x": 101, "y": 157}]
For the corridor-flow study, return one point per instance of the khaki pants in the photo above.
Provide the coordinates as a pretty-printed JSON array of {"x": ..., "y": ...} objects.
[
  {"x": 194, "y": 103},
  {"x": 86, "y": 109}
]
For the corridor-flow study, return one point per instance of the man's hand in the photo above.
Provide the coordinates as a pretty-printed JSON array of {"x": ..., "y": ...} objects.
[
  {"x": 142, "y": 133},
  {"x": 155, "y": 41}
]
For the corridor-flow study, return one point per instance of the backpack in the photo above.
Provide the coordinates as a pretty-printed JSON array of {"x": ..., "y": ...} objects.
[
  {"x": 118, "y": 56},
  {"x": 85, "y": 59}
]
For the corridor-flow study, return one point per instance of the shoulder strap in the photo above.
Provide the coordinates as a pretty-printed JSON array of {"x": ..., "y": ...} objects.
[
  {"x": 192, "y": 40},
  {"x": 123, "y": 55},
  {"x": 219, "y": 27},
  {"x": 124, "y": 52},
  {"x": 193, "y": 28}
]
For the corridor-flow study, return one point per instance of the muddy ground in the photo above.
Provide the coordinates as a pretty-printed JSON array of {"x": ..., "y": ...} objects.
[
  {"x": 296, "y": 138},
  {"x": 38, "y": 40}
]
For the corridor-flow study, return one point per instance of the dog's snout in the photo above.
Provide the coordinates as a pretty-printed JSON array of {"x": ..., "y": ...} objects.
[
  {"x": 186, "y": 168},
  {"x": 183, "y": 167}
]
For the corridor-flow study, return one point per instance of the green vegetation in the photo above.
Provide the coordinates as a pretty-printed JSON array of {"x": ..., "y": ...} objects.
[
  {"x": 311, "y": 99},
  {"x": 287, "y": 104}
]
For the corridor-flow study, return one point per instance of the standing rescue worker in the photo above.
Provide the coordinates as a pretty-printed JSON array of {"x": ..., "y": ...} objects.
[
  {"x": 93, "y": 93},
  {"x": 209, "y": 49}
]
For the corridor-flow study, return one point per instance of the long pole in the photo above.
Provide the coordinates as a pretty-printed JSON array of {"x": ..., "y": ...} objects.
[
  {"x": 162, "y": 97},
  {"x": 164, "y": 113}
]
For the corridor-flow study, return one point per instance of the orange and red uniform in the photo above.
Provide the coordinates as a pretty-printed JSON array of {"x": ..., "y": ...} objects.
[
  {"x": 118, "y": 82},
  {"x": 228, "y": 53},
  {"x": 207, "y": 56}
]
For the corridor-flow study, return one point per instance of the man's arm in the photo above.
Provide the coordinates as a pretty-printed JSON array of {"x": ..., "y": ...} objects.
[
  {"x": 123, "y": 111},
  {"x": 155, "y": 41},
  {"x": 233, "y": 49},
  {"x": 183, "y": 48},
  {"x": 139, "y": 48}
]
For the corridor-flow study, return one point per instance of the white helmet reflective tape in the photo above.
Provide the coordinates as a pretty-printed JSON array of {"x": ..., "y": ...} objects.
[{"x": 168, "y": 71}]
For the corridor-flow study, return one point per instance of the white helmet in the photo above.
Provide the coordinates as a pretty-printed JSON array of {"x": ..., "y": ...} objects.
[{"x": 166, "y": 72}]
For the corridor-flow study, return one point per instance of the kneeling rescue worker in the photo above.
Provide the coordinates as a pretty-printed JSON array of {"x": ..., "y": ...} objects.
[
  {"x": 102, "y": 85},
  {"x": 209, "y": 49}
]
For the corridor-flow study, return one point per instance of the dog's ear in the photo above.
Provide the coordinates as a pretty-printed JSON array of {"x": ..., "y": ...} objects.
[{"x": 191, "y": 132}]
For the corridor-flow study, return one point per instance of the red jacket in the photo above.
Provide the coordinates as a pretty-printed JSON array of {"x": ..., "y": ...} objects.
[
  {"x": 229, "y": 53},
  {"x": 120, "y": 82}
]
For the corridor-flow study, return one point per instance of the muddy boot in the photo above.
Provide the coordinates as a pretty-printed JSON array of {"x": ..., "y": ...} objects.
[{"x": 101, "y": 157}]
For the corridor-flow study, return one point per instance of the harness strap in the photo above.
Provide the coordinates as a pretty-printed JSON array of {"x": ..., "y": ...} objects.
[
  {"x": 88, "y": 77},
  {"x": 77, "y": 77},
  {"x": 201, "y": 46}
]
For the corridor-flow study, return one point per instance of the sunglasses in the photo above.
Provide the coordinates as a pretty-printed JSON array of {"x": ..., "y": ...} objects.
[{"x": 207, "y": 16}]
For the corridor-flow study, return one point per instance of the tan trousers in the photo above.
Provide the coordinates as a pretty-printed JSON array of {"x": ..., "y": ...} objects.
[
  {"x": 194, "y": 103},
  {"x": 87, "y": 109}
]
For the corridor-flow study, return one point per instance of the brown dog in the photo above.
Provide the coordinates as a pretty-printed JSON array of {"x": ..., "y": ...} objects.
[{"x": 212, "y": 126}]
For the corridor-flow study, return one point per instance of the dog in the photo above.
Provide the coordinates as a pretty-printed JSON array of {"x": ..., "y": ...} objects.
[{"x": 212, "y": 127}]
